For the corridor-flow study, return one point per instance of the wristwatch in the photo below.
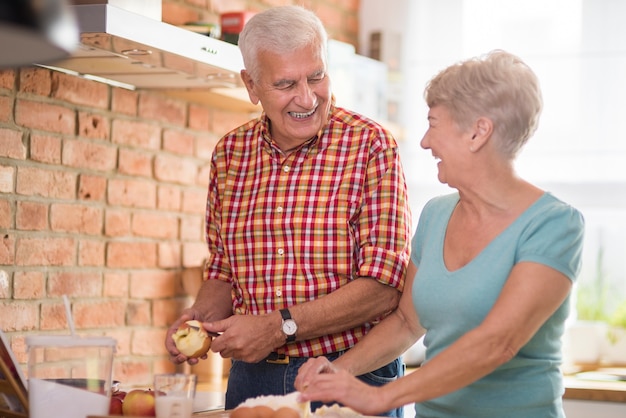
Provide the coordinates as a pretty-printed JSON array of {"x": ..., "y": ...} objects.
[{"x": 289, "y": 326}]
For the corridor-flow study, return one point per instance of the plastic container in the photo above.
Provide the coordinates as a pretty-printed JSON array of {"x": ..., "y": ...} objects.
[{"x": 69, "y": 376}]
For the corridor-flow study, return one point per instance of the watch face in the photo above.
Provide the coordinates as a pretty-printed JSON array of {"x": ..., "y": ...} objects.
[{"x": 289, "y": 327}]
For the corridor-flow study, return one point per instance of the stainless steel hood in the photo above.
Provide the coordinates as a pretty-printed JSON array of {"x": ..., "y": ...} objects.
[{"x": 129, "y": 50}]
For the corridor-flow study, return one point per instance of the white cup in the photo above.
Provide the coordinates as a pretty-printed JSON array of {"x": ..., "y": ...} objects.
[{"x": 174, "y": 394}]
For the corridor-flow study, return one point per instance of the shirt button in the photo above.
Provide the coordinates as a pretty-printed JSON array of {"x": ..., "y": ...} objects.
[
  {"x": 279, "y": 209},
  {"x": 281, "y": 251},
  {"x": 279, "y": 293},
  {"x": 286, "y": 169}
]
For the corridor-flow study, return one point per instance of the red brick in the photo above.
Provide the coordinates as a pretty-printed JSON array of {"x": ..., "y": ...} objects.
[
  {"x": 135, "y": 162},
  {"x": 6, "y": 109},
  {"x": 93, "y": 126},
  {"x": 115, "y": 285},
  {"x": 153, "y": 284},
  {"x": 74, "y": 284},
  {"x": 18, "y": 316},
  {"x": 131, "y": 255},
  {"x": 204, "y": 172},
  {"x": 7, "y": 78},
  {"x": 168, "y": 198},
  {"x": 45, "y": 148},
  {"x": 175, "y": 169},
  {"x": 11, "y": 144},
  {"x": 124, "y": 101},
  {"x": 154, "y": 225},
  {"x": 199, "y": 117},
  {"x": 205, "y": 145},
  {"x": 7, "y": 250},
  {"x": 29, "y": 285},
  {"x": 132, "y": 193},
  {"x": 178, "y": 142},
  {"x": 162, "y": 108},
  {"x": 5, "y": 285},
  {"x": 32, "y": 181},
  {"x": 138, "y": 313},
  {"x": 45, "y": 252},
  {"x": 194, "y": 201},
  {"x": 83, "y": 154},
  {"x": 36, "y": 80},
  {"x": 92, "y": 188},
  {"x": 116, "y": 223},
  {"x": 200, "y": 3},
  {"x": 178, "y": 14},
  {"x": 6, "y": 214},
  {"x": 166, "y": 311},
  {"x": 44, "y": 116},
  {"x": 97, "y": 314},
  {"x": 76, "y": 218},
  {"x": 7, "y": 177},
  {"x": 192, "y": 228},
  {"x": 91, "y": 253},
  {"x": 194, "y": 253},
  {"x": 31, "y": 216},
  {"x": 169, "y": 255},
  {"x": 144, "y": 342},
  {"x": 164, "y": 365},
  {"x": 139, "y": 372},
  {"x": 224, "y": 121},
  {"x": 136, "y": 134},
  {"x": 221, "y": 6},
  {"x": 122, "y": 336},
  {"x": 79, "y": 90},
  {"x": 18, "y": 345},
  {"x": 53, "y": 317}
]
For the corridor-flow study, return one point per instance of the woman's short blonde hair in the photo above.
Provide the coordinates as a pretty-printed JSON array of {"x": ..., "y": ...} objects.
[{"x": 499, "y": 86}]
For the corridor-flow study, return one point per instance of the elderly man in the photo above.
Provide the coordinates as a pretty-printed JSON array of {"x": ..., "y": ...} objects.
[{"x": 307, "y": 221}]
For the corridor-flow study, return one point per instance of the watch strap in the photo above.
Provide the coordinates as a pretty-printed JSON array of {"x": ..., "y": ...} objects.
[{"x": 285, "y": 314}]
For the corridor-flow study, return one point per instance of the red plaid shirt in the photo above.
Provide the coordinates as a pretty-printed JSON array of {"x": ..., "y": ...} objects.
[{"x": 286, "y": 230}]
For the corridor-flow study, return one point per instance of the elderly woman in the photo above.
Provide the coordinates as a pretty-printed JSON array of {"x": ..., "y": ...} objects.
[{"x": 492, "y": 267}]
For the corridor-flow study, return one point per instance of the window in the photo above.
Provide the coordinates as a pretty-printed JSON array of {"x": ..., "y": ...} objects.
[{"x": 579, "y": 151}]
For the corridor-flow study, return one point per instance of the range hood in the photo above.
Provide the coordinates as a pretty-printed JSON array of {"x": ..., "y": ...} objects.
[{"x": 133, "y": 51}]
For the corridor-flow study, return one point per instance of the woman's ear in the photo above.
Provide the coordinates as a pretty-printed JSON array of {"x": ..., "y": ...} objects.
[
  {"x": 249, "y": 83},
  {"x": 483, "y": 128}
]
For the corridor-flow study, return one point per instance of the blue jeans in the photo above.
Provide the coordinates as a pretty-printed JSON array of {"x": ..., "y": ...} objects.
[{"x": 249, "y": 380}]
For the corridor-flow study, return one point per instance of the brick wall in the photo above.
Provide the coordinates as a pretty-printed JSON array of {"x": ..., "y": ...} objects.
[{"x": 102, "y": 195}]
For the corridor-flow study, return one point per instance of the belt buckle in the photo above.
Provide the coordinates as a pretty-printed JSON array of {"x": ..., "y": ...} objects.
[{"x": 276, "y": 358}]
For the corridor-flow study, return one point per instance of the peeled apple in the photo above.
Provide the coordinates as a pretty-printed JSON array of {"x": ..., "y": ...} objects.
[{"x": 191, "y": 339}]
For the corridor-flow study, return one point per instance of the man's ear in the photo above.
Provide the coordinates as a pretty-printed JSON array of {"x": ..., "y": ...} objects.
[{"x": 249, "y": 83}]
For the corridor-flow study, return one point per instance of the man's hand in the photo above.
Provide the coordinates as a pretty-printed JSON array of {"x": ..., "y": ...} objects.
[
  {"x": 249, "y": 338},
  {"x": 175, "y": 355}
]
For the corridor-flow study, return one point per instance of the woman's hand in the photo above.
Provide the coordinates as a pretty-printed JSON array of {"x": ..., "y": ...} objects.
[
  {"x": 309, "y": 370},
  {"x": 319, "y": 380}
]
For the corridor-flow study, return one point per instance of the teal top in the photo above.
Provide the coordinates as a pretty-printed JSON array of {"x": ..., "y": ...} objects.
[{"x": 450, "y": 303}]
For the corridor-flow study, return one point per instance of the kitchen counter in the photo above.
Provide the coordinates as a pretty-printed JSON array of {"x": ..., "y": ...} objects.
[
  {"x": 592, "y": 384},
  {"x": 580, "y": 384},
  {"x": 597, "y": 384}
]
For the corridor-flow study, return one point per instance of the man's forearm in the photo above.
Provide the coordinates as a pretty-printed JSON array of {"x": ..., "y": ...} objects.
[
  {"x": 214, "y": 300},
  {"x": 360, "y": 301}
]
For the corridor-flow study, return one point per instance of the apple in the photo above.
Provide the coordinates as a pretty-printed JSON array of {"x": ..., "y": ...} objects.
[
  {"x": 115, "y": 406},
  {"x": 191, "y": 339},
  {"x": 139, "y": 403}
]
